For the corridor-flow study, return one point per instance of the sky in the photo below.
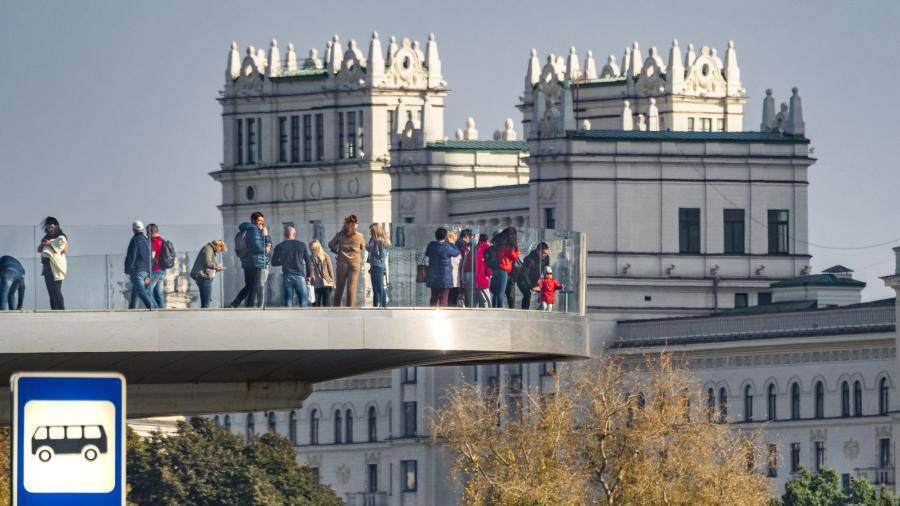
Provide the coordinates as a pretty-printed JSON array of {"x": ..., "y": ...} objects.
[{"x": 108, "y": 109}]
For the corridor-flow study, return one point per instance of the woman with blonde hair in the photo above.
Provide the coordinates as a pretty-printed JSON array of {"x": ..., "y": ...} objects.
[
  {"x": 377, "y": 248},
  {"x": 322, "y": 274},
  {"x": 347, "y": 245},
  {"x": 205, "y": 268}
]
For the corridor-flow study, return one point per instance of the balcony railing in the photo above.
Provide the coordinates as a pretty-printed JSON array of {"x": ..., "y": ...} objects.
[
  {"x": 877, "y": 475},
  {"x": 366, "y": 498},
  {"x": 95, "y": 278}
]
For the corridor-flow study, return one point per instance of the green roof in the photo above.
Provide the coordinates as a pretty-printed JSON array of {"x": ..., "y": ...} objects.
[
  {"x": 836, "y": 269},
  {"x": 637, "y": 135},
  {"x": 478, "y": 145},
  {"x": 818, "y": 280}
]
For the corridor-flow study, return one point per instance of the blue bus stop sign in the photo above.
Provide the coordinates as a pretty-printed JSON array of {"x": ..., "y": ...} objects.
[{"x": 68, "y": 439}]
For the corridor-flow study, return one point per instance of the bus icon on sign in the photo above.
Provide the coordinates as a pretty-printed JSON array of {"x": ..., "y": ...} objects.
[{"x": 87, "y": 440}]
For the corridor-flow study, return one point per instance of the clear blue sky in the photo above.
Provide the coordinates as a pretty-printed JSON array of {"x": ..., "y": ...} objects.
[{"x": 109, "y": 113}]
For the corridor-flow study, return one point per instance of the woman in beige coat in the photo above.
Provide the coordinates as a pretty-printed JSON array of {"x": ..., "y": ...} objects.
[{"x": 347, "y": 245}]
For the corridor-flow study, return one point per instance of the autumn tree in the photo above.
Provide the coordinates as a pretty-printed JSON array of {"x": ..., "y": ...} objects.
[{"x": 609, "y": 434}]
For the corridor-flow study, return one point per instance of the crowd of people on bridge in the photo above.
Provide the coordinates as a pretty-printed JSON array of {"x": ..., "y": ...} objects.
[{"x": 460, "y": 269}]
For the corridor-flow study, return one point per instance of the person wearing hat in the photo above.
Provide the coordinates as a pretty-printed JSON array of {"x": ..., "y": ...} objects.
[
  {"x": 138, "y": 264},
  {"x": 547, "y": 286},
  {"x": 348, "y": 245}
]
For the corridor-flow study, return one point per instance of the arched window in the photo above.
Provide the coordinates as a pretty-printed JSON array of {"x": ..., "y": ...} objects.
[
  {"x": 216, "y": 419},
  {"x": 820, "y": 400},
  {"x": 795, "y": 401},
  {"x": 748, "y": 404},
  {"x": 272, "y": 422},
  {"x": 228, "y": 423},
  {"x": 292, "y": 427},
  {"x": 772, "y": 403},
  {"x": 723, "y": 404},
  {"x": 883, "y": 391},
  {"x": 845, "y": 399},
  {"x": 251, "y": 425},
  {"x": 338, "y": 427},
  {"x": 314, "y": 427},
  {"x": 857, "y": 398},
  {"x": 373, "y": 424},
  {"x": 710, "y": 403},
  {"x": 348, "y": 436}
]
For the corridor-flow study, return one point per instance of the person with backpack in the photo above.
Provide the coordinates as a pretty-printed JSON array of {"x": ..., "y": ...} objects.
[
  {"x": 296, "y": 267},
  {"x": 347, "y": 245},
  {"x": 504, "y": 252},
  {"x": 12, "y": 283},
  {"x": 138, "y": 265},
  {"x": 530, "y": 272},
  {"x": 440, "y": 267},
  {"x": 163, "y": 254},
  {"x": 205, "y": 268},
  {"x": 252, "y": 244}
]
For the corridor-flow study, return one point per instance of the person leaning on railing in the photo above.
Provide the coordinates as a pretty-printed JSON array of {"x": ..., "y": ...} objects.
[
  {"x": 205, "y": 268},
  {"x": 12, "y": 283}
]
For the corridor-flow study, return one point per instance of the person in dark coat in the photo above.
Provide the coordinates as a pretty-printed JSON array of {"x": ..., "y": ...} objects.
[
  {"x": 138, "y": 263},
  {"x": 440, "y": 276},
  {"x": 531, "y": 272},
  {"x": 12, "y": 283}
]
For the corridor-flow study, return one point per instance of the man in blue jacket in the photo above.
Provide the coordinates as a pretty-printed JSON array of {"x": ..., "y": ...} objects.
[
  {"x": 12, "y": 283},
  {"x": 138, "y": 263},
  {"x": 254, "y": 260}
]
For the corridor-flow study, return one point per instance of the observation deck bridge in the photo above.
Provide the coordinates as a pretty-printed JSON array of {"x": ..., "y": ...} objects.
[{"x": 185, "y": 360}]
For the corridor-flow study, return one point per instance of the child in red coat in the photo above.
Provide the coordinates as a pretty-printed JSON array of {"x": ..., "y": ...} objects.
[{"x": 548, "y": 287}]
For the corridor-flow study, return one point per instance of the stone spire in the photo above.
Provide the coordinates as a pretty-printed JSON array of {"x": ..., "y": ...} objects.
[
  {"x": 732, "y": 71},
  {"x": 261, "y": 59},
  {"x": 567, "y": 108},
  {"x": 274, "y": 60},
  {"x": 654, "y": 55},
  {"x": 291, "y": 58},
  {"x": 768, "y": 113},
  {"x": 675, "y": 74},
  {"x": 337, "y": 55},
  {"x": 376, "y": 59},
  {"x": 509, "y": 133},
  {"x": 433, "y": 62},
  {"x": 329, "y": 52},
  {"x": 537, "y": 112},
  {"x": 392, "y": 48},
  {"x": 626, "y": 62},
  {"x": 690, "y": 57},
  {"x": 590, "y": 66},
  {"x": 470, "y": 133},
  {"x": 233, "y": 68},
  {"x": 627, "y": 116},
  {"x": 795, "y": 124},
  {"x": 533, "y": 73},
  {"x": 353, "y": 49},
  {"x": 636, "y": 61},
  {"x": 418, "y": 49},
  {"x": 652, "y": 116},
  {"x": 714, "y": 54},
  {"x": 573, "y": 68}
]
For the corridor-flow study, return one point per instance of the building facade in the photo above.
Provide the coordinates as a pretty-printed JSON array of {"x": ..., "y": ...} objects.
[{"x": 687, "y": 213}]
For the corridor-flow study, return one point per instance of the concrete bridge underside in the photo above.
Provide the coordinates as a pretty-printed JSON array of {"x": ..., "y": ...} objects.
[{"x": 204, "y": 361}]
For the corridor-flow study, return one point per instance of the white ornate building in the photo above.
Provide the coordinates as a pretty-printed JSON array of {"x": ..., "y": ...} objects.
[{"x": 686, "y": 212}]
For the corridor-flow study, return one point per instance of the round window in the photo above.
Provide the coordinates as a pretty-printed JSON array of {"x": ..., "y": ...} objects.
[
  {"x": 407, "y": 62},
  {"x": 705, "y": 69},
  {"x": 251, "y": 193}
]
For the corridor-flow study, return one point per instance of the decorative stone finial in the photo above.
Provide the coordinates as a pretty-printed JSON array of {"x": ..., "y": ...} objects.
[
  {"x": 768, "y": 113},
  {"x": 291, "y": 57},
  {"x": 337, "y": 56},
  {"x": 675, "y": 73},
  {"x": 274, "y": 60},
  {"x": 433, "y": 62},
  {"x": 509, "y": 133},
  {"x": 611, "y": 69},
  {"x": 636, "y": 60},
  {"x": 690, "y": 57},
  {"x": 642, "y": 124},
  {"x": 573, "y": 69},
  {"x": 795, "y": 124},
  {"x": 376, "y": 59},
  {"x": 652, "y": 116},
  {"x": 626, "y": 62},
  {"x": 732, "y": 71},
  {"x": 627, "y": 116},
  {"x": 459, "y": 134},
  {"x": 392, "y": 48},
  {"x": 533, "y": 72},
  {"x": 590, "y": 66},
  {"x": 418, "y": 49},
  {"x": 470, "y": 133},
  {"x": 233, "y": 67},
  {"x": 329, "y": 53},
  {"x": 585, "y": 124}
]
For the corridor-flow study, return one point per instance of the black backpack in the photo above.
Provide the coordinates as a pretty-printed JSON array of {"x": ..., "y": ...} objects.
[
  {"x": 166, "y": 257},
  {"x": 491, "y": 260},
  {"x": 242, "y": 247}
]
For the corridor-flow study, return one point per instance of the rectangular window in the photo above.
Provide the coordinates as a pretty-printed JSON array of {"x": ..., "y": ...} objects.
[
  {"x": 307, "y": 138},
  {"x": 295, "y": 139},
  {"x": 688, "y": 230},
  {"x": 492, "y": 377},
  {"x": 282, "y": 139},
  {"x": 720, "y": 125},
  {"x": 884, "y": 453},
  {"x": 351, "y": 134},
  {"x": 239, "y": 141},
  {"x": 707, "y": 124},
  {"x": 734, "y": 231},
  {"x": 772, "y": 460},
  {"x": 845, "y": 483},
  {"x": 408, "y": 476},
  {"x": 251, "y": 141},
  {"x": 320, "y": 137},
  {"x": 548, "y": 368},
  {"x": 740, "y": 300},
  {"x": 390, "y": 128},
  {"x": 764, "y": 298},
  {"x": 360, "y": 134},
  {"x": 373, "y": 478},
  {"x": 778, "y": 232},
  {"x": 409, "y": 419},
  {"x": 820, "y": 455},
  {"x": 409, "y": 219},
  {"x": 690, "y": 124},
  {"x": 550, "y": 217},
  {"x": 795, "y": 457},
  {"x": 340, "y": 135},
  {"x": 409, "y": 375}
]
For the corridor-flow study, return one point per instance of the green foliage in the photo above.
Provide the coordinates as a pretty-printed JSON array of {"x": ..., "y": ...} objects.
[
  {"x": 204, "y": 465},
  {"x": 824, "y": 489}
]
